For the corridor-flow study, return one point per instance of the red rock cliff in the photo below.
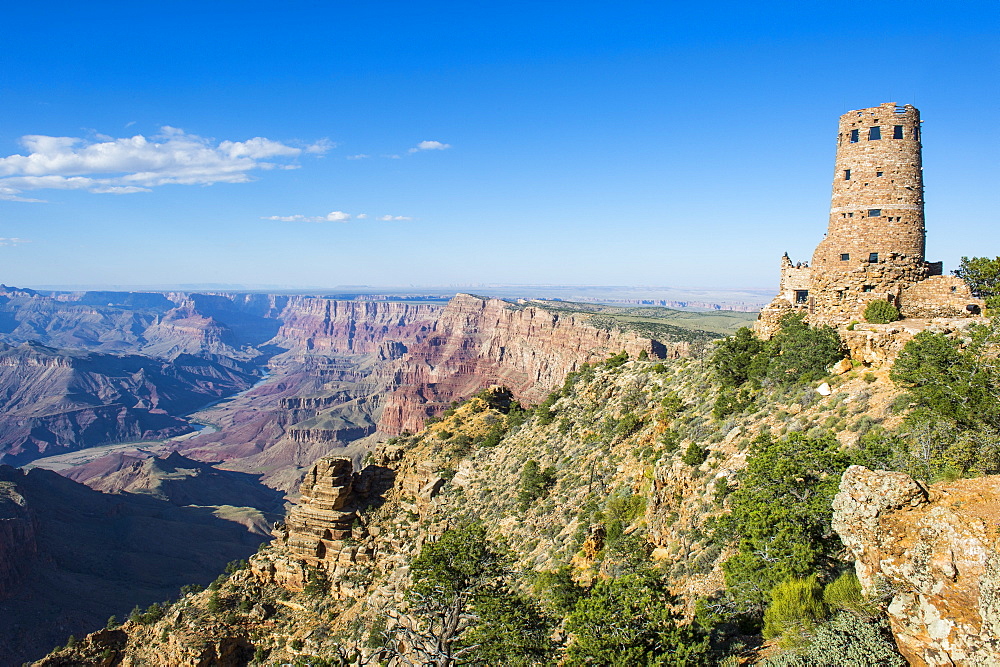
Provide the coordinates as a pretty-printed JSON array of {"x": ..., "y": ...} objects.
[
  {"x": 478, "y": 342},
  {"x": 312, "y": 325}
]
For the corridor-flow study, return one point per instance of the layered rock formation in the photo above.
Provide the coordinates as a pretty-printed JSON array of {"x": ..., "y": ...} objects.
[
  {"x": 56, "y": 400},
  {"x": 481, "y": 342},
  {"x": 320, "y": 326},
  {"x": 932, "y": 551}
]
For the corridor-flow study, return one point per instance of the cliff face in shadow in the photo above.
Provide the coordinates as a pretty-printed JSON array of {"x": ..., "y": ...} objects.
[{"x": 80, "y": 555}]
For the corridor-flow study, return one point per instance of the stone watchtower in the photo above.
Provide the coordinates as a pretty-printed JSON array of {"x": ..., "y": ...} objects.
[{"x": 874, "y": 246}]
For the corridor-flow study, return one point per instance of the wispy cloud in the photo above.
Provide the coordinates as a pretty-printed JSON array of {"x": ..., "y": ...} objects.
[
  {"x": 12, "y": 241},
  {"x": 429, "y": 146},
  {"x": 138, "y": 164},
  {"x": 335, "y": 216},
  {"x": 359, "y": 156}
]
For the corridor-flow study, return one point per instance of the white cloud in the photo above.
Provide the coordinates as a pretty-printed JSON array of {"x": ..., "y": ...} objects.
[
  {"x": 320, "y": 147},
  {"x": 333, "y": 216},
  {"x": 138, "y": 163},
  {"x": 12, "y": 241},
  {"x": 430, "y": 146},
  {"x": 359, "y": 156}
]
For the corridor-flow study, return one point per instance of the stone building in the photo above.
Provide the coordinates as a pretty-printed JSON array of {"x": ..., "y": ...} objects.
[{"x": 874, "y": 245}]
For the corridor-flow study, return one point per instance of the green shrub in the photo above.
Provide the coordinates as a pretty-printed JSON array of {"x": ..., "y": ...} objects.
[
  {"x": 631, "y": 620},
  {"x": 982, "y": 275},
  {"x": 695, "y": 455},
  {"x": 534, "y": 483},
  {"x": 739, "y": 358},
  {"x": 780, "y": 516},
  {"x": 844, "y": 594},
  {"x": 627, "y": 425},
  {"x": 881, "y": 312},
  {"x": 796, "y": 607},
  {"x": 844, "y": 641},
  {"x": 671, "y": 440}
]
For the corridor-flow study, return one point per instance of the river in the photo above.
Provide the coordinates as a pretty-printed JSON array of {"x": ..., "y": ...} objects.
[{"x": 78, "y": 457}]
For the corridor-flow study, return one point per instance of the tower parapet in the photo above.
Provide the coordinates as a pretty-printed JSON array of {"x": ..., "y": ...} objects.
[{"x": 874, "y": 246}]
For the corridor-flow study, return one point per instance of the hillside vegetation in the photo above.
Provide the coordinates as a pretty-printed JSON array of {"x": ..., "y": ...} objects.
[{"x": 646, "y": 512}]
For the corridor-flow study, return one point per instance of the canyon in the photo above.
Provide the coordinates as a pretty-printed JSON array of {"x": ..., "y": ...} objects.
[{"x": 216, "y": 406}]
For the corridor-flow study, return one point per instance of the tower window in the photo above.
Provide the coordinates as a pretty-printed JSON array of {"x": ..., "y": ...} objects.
[
  {"x": 879, "y": 173},
  {"x": 854, "y": 136},
  {"x": 844, "y": 256},
  {"x": 847, "y": 174},
  {"x": 867, "y": 288},
  {"x": 801, "y": 295},
  {"x": 850, "y": 215},
  {"x": 874, "y": 133},
  {"x": 873, "y": 257},
  {"x": 897, "y": 131},
  {"x": 916, "y": 132},
  {"x": 874, "y": 212}
]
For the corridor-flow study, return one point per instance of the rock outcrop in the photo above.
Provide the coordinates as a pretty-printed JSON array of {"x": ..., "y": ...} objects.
[
  {"x": 880, "y": 344},
  {"x": 933, "y": 552}
]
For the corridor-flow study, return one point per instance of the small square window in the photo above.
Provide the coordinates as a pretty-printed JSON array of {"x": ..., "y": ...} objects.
[
  {"x": 850, "y": 215},
  {"x": 801, "y": 295},
  {"x": 873, "y": 257},
  {"x": 868, "y": 288},
  {"x": 844, "y": 256},
  {"x": 854, "y": 136},
  {"x": 897, "y": 131},
  {"x": 874, "y": 212},
  {"x": 847, "y": 174},
  {"x": 879, "y": 174},
  {"x": 874, "y": 133}
]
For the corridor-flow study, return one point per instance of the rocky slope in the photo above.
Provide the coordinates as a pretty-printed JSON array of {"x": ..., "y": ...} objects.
[
  {"x": 933, "y": 552},
  {"x": 337, "y": 575},
  {"x": 176, "y": 479}
]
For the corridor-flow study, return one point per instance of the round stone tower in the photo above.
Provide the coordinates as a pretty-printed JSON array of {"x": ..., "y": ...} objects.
[
  {"x": 878, "y": 200},
  {"x": 874, "y": 244}
]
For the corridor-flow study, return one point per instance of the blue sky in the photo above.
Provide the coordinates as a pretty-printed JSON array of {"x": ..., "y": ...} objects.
[{"x": 628, "y": 143}]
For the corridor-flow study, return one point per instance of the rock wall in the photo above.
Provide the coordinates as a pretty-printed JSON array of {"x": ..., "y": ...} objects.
[
  {"x": 311, "y": 325},
  {"x": 933, "y": 552},
  {"x": 478, "y": 342}
]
